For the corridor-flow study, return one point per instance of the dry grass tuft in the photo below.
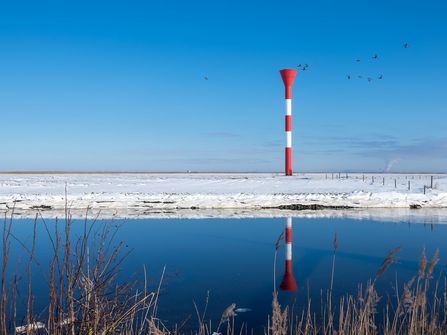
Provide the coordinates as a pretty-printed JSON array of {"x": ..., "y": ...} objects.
[
  {"x": 422, "y": 264},
  {"x": 279, "y": 320},
  {"x": 84, "y": 294},
  {"x": 388, "y": 260},
  {"x": 431, "y": 265}
]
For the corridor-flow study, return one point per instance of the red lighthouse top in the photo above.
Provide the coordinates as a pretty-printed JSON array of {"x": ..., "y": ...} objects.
[{"x": 288, "y": 75}]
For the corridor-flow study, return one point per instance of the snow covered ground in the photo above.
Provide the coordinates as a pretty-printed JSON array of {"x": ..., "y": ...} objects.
[{"x": 155, "y": 195}]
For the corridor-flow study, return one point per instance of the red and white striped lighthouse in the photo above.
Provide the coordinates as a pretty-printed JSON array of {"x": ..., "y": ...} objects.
[
  {"x": 288, "y": 75},
  {"x": 288, "y": 282}
]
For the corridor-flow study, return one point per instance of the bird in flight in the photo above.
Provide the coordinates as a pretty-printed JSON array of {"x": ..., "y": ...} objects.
[
  {"x": 348, "y": 76},
  {"x": 376, "y": 56},
  {"x": 357, "y": 60},
  {"x": 380, "y": 77},
  {"x": 360, "y": 76},
  {"x": 205, "y": 77},
  {"x": 306, "y": 66},
  {"x": 370, "y": 79},
  {"x": 299, "y": 65},
  {"x": 405, "y": 45}
]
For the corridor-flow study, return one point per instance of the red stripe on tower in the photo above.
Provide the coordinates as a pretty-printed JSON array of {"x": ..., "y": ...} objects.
[
  {"x": 288, "y": 282},
  {"x": 288, "y": 161},
  {"x": 288, "y": 75},
  {"x": 288, "y": 122}
]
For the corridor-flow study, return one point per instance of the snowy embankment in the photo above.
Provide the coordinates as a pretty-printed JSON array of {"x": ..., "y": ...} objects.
[{"x": 127, "y": 195}]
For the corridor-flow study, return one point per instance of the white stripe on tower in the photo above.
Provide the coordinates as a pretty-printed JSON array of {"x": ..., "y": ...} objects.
[
  {"x": 289, "y": 123},
  {"x": 289, "y": 252},
  {"x": 288, "y": 106},
  {"x": 289, "y": 139},
  {"x": 289, "y": 239}
]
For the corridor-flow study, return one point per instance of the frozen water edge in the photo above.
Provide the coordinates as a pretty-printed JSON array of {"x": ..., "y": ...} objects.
[
  {"x": 161, "y": 195},
  {"x": 419, "y": 216}
]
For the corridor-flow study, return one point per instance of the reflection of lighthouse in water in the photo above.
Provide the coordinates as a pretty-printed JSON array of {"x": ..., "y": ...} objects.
[{"x": 288, "y": 281}]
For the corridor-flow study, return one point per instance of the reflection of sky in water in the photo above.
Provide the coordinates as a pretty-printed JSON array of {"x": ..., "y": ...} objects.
[{"x": 233, "y": 259}]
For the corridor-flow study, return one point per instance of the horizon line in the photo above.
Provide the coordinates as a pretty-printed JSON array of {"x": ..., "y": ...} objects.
[{"x": 61, "y": 172}]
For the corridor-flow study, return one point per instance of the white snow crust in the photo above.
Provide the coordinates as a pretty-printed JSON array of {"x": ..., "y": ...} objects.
[{"x": 161, "y": 195}]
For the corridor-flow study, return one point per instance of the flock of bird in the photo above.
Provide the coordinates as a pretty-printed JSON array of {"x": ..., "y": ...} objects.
[
  {"x": 374, "y": 57},
  {"x": 304, "y": 67}
]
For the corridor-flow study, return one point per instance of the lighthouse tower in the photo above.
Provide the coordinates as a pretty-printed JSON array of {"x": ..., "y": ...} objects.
[{"x": 288, "y": 75}]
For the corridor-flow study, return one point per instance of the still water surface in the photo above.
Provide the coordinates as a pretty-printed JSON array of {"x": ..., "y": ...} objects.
[{"x": 232, "y": 259}]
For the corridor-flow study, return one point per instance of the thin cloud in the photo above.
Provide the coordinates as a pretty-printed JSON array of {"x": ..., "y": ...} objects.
[
  {"x": 222, "y": 134},
  {"x": 358, "y": 142},
  {"x": 273, "y": 143},
  {"x": 380, "y": 146},
  {"x": 422, "y": 148}
]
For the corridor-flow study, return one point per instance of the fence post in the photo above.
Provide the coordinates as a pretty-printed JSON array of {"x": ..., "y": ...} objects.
[
  {"x": 395, "y": 183},
  {"x": 431, "y": 181},
  {"x": 409, "y": 185},
  {"x": 383, "y": 182}
]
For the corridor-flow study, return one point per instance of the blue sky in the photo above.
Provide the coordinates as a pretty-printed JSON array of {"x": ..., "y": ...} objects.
[{"x": 119, "y": 85}]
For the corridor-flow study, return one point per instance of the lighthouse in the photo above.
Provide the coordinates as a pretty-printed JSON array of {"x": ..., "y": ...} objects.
[{"x": 288, "y": 75}]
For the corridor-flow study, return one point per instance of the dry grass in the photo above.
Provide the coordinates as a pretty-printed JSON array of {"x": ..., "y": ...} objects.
[
  {"x": 420, "y": 309},
  {"x": 86, "y": 297}
]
